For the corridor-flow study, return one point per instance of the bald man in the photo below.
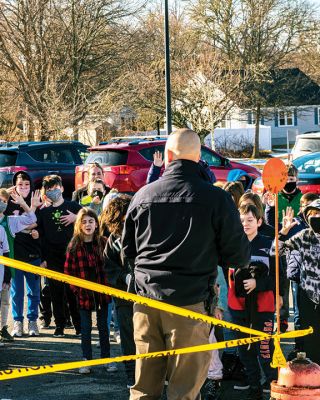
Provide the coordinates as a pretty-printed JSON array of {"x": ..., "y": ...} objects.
[{"x": 176, "y": 231}]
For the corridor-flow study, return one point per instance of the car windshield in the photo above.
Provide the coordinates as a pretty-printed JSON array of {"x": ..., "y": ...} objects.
[
  {"x": 308, "y": 144},
  {"x": 108, "y": 157},
  {"x": 308, "y": 164},
  {"x": 8, "y": 158}
]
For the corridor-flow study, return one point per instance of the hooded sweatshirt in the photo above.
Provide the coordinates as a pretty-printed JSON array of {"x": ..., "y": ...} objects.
[
  {"x": 236, "y": 174},
  {"x": 306, "y": 245}
]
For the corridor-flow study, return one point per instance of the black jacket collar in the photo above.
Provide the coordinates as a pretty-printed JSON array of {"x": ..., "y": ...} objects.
[{"x": 183, "y": 167}]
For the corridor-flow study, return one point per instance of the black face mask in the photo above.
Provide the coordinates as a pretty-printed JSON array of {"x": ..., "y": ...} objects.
[
  {"x": 97, "y": 193},
  {"x": 290, "y": 187},
  {"x": 314, "y": 223}
]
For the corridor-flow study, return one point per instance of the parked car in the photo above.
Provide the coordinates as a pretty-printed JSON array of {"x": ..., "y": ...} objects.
[
  {"x": 126, "y": 163},
  {"x": 305, "y": 144},
  {"x": 40, "y": 159},
  {"x": 308, "y": 175}
]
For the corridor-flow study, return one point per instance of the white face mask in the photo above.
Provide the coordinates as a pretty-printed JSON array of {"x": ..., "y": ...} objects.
[{"x": 24, "y": 192}]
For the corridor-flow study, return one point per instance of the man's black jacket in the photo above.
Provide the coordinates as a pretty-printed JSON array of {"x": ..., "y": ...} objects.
[{"x": 177, "y": 230}]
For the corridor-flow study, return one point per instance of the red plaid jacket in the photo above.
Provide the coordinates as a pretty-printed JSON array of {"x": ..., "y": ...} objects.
[{"x": 78, "y": 264}]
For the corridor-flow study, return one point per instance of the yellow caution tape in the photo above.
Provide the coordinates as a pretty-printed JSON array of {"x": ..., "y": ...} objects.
[
  {"x": 96, "y": 287},
  {"x": 45, "y": 369},
  {"x": 278, "y": 359}
]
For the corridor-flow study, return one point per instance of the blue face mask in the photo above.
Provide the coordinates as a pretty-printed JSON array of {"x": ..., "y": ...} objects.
[
  {"x": 3, "y": 206},
  {"x": 54, "y": 195}
]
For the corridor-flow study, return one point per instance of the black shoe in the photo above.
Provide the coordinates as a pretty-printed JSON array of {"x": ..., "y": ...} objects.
[
  {"x": 266, "y": 388},
  {"x": 212, "y": 390},
  {"x": 130, "y": 382},
  {"x": 45, "y": 324},
  {"x": 255, "y": 393},
  {"x": 283, "y": 326},
  {"x": 241, "y": 385},
  {"x": 229, "y": 362},
  {"x": 69, "y": 325},
  {"x": 78, "y": 331},
  {"x": 5, "y": 335},
  {"x": 58, "y": 332}
]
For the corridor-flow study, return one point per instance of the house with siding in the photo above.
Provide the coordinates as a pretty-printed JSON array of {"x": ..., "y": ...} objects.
[{"x": 291, "y": 106}]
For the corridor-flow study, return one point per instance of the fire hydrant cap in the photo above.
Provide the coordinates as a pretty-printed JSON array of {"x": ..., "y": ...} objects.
[{"x": 300, "y": 372}]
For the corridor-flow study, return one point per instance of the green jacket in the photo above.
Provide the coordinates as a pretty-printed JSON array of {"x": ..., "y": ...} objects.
[{"x": 284, "y": 203}]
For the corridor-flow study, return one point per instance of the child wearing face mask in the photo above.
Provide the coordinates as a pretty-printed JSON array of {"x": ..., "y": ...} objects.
[
  {"x": 55, "y": 236},
  {"x": 13, "y": 224},
  {"x": 306, "y": 272},
  {"x": 27, "y": 249},
  {"x": 95, "y": 197}
]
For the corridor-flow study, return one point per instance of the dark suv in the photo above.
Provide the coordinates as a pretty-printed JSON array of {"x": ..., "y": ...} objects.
[
  {"x": 42, "y": 158},
  {"x": 126, "y": 162}
]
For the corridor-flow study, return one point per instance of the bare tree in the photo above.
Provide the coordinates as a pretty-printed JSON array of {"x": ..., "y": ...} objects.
[
  {"x": 62, "y": 54},
  {"x": 203, "y": 86},
  {"x": 260, "y": 35}
]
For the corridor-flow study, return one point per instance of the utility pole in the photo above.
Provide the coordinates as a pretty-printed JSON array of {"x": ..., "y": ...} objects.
[{"x": 167, "y": 68}]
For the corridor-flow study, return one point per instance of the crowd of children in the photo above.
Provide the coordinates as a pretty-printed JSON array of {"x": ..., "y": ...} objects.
[{"x": 82, "y": 238}]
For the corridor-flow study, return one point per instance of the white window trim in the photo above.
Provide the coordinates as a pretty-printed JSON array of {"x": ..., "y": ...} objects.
[
  {"x": 285, "y": 118},
  {"x": 226, "y": 121}
]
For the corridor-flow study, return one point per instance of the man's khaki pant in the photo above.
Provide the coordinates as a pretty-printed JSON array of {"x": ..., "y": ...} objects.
[{"x": 156, "y": 330}]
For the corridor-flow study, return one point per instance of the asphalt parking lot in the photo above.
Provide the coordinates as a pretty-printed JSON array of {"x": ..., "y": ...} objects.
[{"x": 69, "y": 385}]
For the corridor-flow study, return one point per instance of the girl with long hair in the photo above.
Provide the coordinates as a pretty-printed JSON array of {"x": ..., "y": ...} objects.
[{"x": 84, "y": 260}]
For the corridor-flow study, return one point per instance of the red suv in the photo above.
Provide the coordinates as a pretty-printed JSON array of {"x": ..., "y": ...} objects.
[{"x": 126, "y": 163}]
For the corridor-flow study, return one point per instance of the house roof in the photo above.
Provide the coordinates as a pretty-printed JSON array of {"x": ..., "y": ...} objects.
[{"x": 284, "y": 87}]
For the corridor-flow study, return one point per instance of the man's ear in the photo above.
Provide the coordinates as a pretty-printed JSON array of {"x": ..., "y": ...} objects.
[
  {"x": 260, "y": 221},
  {"x": 168, "y": 157},
  {"x": 62, "y": 189}
]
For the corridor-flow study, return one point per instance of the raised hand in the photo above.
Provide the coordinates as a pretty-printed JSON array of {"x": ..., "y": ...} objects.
[
  {"x": 17, "y": 198},
  {"x": 157, "y": 159},
  {"x": 269, "y": 199},
  {"x": 287, "y": 220},
  {"x": 36, "y": 199},
  {"x": 96, "y": 200}
]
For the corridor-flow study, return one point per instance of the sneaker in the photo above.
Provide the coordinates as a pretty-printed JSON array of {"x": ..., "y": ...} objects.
[
  {"x": 59, "y": 332},
  {"x": 17, "y": 329},
  {"x": 84, "y": 370},
  {"x": 283, "y": 326},
  {"x": 255, "y": 393},
  {"x": 130, "y": 383},
  {"x": 33, "y": 328},
  {"x": 212, "y": 390},
  {"x": 69, "y": 325},
  {"x": 242, "y": 385},
  {"x": 5, "y": 335},
  {"x": 117, "y": 337},
  {"x": 112, "y": 367},
  {"x": 45, "y": 325}
]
